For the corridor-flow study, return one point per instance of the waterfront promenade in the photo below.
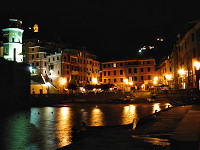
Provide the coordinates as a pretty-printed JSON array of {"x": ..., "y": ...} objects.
[{"x": 174, "y": 128}]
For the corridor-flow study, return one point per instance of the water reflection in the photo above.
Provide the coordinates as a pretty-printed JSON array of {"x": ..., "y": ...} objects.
[
  {"x": 96, "y": 117},
  {"x": 64, "y": 126},
  {"x": 129, "y": 114},
  {"x": 156, "y": 107},
  {"x": 50, "y": 127}
]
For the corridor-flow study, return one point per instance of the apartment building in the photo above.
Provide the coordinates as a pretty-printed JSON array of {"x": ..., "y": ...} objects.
[
  {"x": 125, "y": 74},
  {"x": 37, "y": 58},
  {"x": 69, "y": 65},
  {"x": 186, "y": 55}
]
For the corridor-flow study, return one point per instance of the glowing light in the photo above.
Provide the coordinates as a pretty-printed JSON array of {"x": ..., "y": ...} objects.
[
  {"x": 197, "y": 65},
  {"x": 181, "y": 72},
  {"x": 140, "y": 51},
  {"x": 63, "y": 126},
  {"x": 35, "y": 28},
  {"x": 96, "y": 117},
  {"x": 48, "y": 84},
  {"x": 168, "y": 77},
  {"x": 156, "y": 107},
  {"x": 154, "y": 82},
  {"x": 126, "y": 81},
  {"x": 130, "y": 83},
  {"x": 63, "y": 81},
  {"x": 129, "y": 114},
  {"x": 94, "y": 80},
  {"x": 155, "y": 78}
]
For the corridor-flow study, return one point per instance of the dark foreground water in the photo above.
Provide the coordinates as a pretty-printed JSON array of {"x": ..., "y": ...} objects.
[{"x": 48, "y": 128}]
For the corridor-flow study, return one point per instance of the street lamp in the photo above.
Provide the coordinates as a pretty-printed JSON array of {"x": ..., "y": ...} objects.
[
  {"x": 63, "y": 81},
  {"x": 169, "y": 77},
  {"x": 197, "y": 65},
  {"x": 181, "y": 72},
  {"x": 94, "y": 80},
  {"x": 126, "y": 81}
]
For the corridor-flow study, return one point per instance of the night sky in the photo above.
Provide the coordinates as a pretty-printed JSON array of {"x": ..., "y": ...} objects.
[{"x": 110, "y": 29}]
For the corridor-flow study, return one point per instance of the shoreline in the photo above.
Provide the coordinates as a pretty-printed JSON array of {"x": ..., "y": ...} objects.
[{"x": 160, "y": 128}]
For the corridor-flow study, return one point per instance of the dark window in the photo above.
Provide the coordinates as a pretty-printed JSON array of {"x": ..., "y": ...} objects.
[
  {"x": 194, "y": 52},
  {"x": 149, "y": 77},
  {"x": 58, "y": 72},
  {"x": 104, "y": 73},
  {"x": 37, "y": 64},
  {"x": 13, "y": 39},
  {"x": 33, "y": 65},
  {"x": 148, "y": 69},
  {"x": 129, "y": 70},
  {"x": 53, "y": 58},
  {"x": 67, "y": 72},
  {"x": 108, "y": 73},
  {"x": 192, "y": 36},
  {"x": 142, "y": 78},
  {"x": 121, "y": 64},
  {"x": 67, "y": 66},
  {"x": 104, "y": 65},
  {"x": 148, "y": 62},
  {"x": 141, "y": 69},
  {"x": 45, "y": 56},
  {"x": 104, "y": 80},
  {"x": 32, "y": 56},
  {"x": 45, "y": 64},
  {"x": 108, "y": 65},
  {"x": 49, "y": 59},
  {"x": 32, "y": 49},
  {"x": 121, "y": 79},
  {"x": 57, "y": 57},
  {"x": 37, "y": 56},
  {"x": 135, "y": 78},
  {"x": 135, "y": 70},
  {"x": 170, "y": 69},
  {"x": 121, "y": 72},
  {"x": 114, "y": 72},
  {"x": 115, "y": 80}
]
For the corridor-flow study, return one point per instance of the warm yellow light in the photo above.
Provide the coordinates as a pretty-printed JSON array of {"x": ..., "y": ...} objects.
[
  {"x": 63, "y": 81},
  {"x": 181, "y": 71},
  {"x": 168, "y": 77},
  {"x": 154, "y": 82},
  {"x": 197, "y": 65},
  {"x": 35, "y": 28},
  {"x": 130, "y": 83},
  {"x": 94, "y": 80},
  {"x": 155, "y": 79},
  {"x": 126, "y": 81}
]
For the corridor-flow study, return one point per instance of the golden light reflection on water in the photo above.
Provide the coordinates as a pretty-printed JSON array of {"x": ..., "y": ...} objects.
[
  {"x": 129, "y": 115},
  {"x": 63, "y": 126},
  {"x": 156, "y": 107},
  {"x": 96, "y": 117},
  {"x": 168, "y": 105}
]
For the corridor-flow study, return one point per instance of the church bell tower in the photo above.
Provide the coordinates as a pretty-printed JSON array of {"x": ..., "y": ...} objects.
[{"x": 12, "y": 48}]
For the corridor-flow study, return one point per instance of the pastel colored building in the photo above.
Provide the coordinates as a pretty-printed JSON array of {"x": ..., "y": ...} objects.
[{"x": 125, "y": 74}]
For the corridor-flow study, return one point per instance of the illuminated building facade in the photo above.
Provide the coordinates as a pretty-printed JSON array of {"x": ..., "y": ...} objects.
[
  {"x": 37, "y": 60},
  {"x": 165, "y": 73},
  {"x": 71, "y": 65},
  {"x": 125, "y": 74},
  {"x": 186, "y": 57},
  {"x": 12, "y": 49}
]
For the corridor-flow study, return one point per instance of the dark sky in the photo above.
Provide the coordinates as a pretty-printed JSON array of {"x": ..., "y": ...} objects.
[{"x": 110, "y": 29}]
